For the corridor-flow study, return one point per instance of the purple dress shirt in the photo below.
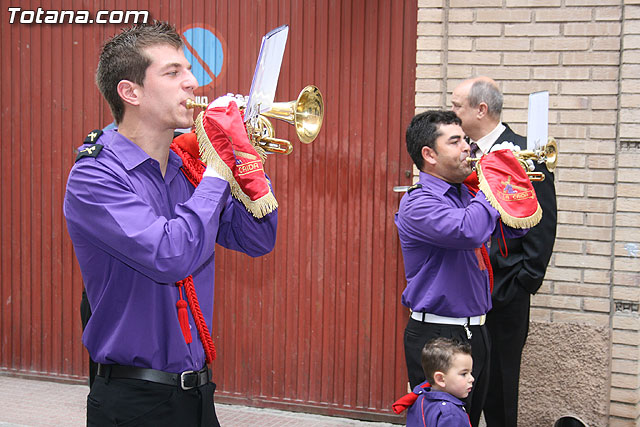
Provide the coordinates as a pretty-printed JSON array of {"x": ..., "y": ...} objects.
[
  {"x": 135, "y": 233},
  {"x": 441, "y": 226}
]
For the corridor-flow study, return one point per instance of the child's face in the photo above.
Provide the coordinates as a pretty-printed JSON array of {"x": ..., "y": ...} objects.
[{"x": 458, "y": 379}]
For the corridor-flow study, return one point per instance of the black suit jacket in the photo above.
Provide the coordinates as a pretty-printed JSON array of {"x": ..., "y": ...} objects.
[{"x": 526, "y": 262}]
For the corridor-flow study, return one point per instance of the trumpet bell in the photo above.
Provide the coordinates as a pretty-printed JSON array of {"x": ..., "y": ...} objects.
[
  {"x": 305, "y": 113},
  {"x": 551, "y": 154}
]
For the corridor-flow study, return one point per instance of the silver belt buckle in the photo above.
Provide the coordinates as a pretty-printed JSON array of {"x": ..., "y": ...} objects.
[{"x": 182, "y": 380}]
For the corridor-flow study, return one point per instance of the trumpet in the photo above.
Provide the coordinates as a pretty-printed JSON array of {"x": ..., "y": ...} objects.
[
  {"x": 547, "y": 154},
  {"x": 305, "y": 114}
]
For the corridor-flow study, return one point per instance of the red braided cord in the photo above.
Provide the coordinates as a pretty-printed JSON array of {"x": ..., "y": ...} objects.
[{"x": 201, "y": 325}]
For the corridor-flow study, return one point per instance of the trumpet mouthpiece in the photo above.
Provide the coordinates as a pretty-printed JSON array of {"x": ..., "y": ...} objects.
[{"x": 190, "y": 103}]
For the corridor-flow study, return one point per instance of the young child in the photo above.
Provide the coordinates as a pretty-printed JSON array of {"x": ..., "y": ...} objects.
[{"x": 447, "y": 366}]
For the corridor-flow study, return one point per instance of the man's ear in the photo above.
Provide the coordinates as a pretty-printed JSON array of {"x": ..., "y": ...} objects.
[
  {"x": 129, "y": 92},
  {"x": 438, "y": 378},
  {"x": 483, "y": 110},
  {"x": 429, "y": 155}
]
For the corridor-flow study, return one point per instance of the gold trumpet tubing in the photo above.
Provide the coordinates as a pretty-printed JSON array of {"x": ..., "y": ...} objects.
[
  {"x": 533, "y": 176},
  {"x": 276, "y": 145},
  {"x": 190, "y": 104}
]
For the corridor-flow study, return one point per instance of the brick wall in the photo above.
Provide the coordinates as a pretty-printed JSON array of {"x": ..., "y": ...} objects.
[{"x": 586, "y": 53}]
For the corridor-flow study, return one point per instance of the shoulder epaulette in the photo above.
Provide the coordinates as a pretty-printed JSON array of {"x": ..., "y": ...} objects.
[
  {"x": 94, "y": 149},
  {"x": 93, "y": 136},
  {"x": 413, "y": 187},
  {"x": 91, "y": 151}
]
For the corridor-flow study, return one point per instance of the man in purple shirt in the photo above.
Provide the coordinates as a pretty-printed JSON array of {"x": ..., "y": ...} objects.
[
  {"x": 442, "y": 229},
  {"x": 138, "y": 226}
]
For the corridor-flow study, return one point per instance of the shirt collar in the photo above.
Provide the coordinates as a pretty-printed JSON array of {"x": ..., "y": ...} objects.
[
  {"x": 442, "y": 395},
  {"x": 435, "y": 184},
  {"x": 489, "y": 139},
  {"x": 131, "y": 155}
]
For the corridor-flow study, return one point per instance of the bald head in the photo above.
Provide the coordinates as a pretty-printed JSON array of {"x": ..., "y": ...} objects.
[{"x": 478, "y": 103}]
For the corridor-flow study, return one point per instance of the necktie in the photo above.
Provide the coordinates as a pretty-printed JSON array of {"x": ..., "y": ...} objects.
[{"x": 474, "y": 149}]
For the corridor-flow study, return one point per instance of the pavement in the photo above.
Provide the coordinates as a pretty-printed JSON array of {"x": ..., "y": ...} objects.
[{"x": 38, "y": 403}]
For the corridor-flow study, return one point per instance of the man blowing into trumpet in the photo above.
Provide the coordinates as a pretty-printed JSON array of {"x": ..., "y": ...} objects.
[
  {"x": 144, "y": 236},
  {"x": 443, "y": 229},
  {"x": 520, "y": 271}
]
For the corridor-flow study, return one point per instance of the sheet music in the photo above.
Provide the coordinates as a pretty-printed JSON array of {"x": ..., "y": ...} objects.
[
  {"x": 265, "y": 78},
  {"x": 538, "y": 120}
]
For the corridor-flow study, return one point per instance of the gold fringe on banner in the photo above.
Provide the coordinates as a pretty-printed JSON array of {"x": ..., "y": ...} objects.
[
  {"x": 510, "y": 220},
  {"x": 258, "y": 208}
]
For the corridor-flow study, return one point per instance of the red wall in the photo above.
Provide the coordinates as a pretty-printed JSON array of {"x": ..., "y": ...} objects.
[{"x": 317, "y": 324}]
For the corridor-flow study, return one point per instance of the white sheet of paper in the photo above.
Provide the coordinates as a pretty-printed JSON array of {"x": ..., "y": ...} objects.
[
  {"x": 265, "y": 78},
  {"x": 538, "y": 120}
]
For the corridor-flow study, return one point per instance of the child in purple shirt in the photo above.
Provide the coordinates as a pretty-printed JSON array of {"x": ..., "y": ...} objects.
[{"x": 447, "y": 366}]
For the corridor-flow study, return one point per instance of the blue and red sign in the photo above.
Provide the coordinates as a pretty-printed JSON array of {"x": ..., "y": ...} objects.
[{"x": 205, "y": 51}]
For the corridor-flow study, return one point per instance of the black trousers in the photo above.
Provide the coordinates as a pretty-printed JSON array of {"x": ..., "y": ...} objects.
[
  {"x": 508, "y": 327},
  {"x": 125, "y": 402},
  {"x": 416, "y": 334}
]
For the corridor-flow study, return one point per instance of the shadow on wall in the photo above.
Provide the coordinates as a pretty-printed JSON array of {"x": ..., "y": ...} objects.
[{"x": 565, "y": 374}]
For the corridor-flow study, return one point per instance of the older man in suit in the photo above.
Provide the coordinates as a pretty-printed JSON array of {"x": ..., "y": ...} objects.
[{"x": 520, "y": 272}]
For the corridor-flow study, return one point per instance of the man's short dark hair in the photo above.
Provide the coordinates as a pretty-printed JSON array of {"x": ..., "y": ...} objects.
[
  {"x": 437, "y": 355},
  {"x": 123, "y": 58},
  {"x": 424, "y": 130},
  {"x": 487, "y": 92}
]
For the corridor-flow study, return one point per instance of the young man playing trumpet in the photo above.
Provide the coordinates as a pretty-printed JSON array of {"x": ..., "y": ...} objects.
[
  {"x": 139, "y": 227},
  {"x": 442, "y": 230},
  {"x": 478, "y": 103}
]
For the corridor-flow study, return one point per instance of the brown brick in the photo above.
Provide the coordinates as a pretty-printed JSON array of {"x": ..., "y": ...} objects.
[
  {"x": 627, "y": 220},
  {"x": 629, "y": 130},
  {"x": 597, "y": 277},
  {"x": 607, "y": 29},
  {"x": 430, "y": 3},
  {"x": 524, "y": 87},
  {"x": 567, "y": 102},
  {"x": 584, "y": 261},
  {"x": 505, "y": 44},
  {"x": 567, "y": 131},
  {"x": 592, "y": 2},
  {"x": 555, "y": 73},
  {"x": 625, "y": 321},
  {"x": 625, "y": 381},
  {"x": 599, "y": 248},
  {"x": 572, "y": 161},
  {"x": 565, "y": 217},
  {"x": 429, "y": 43},
  {"x": 631, "y": 57},
  {"x": 628, "y": 248},
  {"x": 589, "y": 88},
  {"x": 602, "y": 132},
  {"x": 600, "y": 176},
  {"x": 627, "y": 190},
  {"x": 482, "y": 58},
  {"x": 429, "y": 57},
  {"x": 628, "y": 115},
  {"x": 596, "y": 304},
  {"x": 625, "y": 204},
  {"x": 630, "y": 71},
  {"x": 429, "y": 29},
  {"x": 601, "y": 191},
  {"x": 556, "y": 301},
  {"x": 503, "y": 15},
  {"x": 608, "y": 13},
  {"x": 563, "y": 274},
  {"x": 599, "y": 220},
  {"x": 460, "y": 43},
  {"x": 624, "y": 395},
  {"x": 582, "y": 289},
  {"x": 531, "y": 30},
  {"x": 430, "y": 15},
  {"x": 533, "y": 3},
  {"x": 629, "y": 175},
  {"x": 627, "y": 413},
  {"x": 568, "y": 14},
  {"x": 428, "y": 71},
  {"x": 627, "y": 293},
  {"x": 624, "y": 280},
  {"x": 583, "y": 232},
  {"x": 629, "y": 352},
  {"x": 596, "y": 319},
  {"x": 590, "y": 58},
  {"x": 540, "y": 314},
  {"x": 624, "y": 366},
  {"x": 627, "y": 264},
  {"x": 520, "y": 73},
  {"x": 606, "y": 43},
  {"x": 461, "y": 15},
  {"x": 570, "y": 189},
  {"x": 475, "y": 30},
  {"x": 606, "y": 102},
  {"x": 595, "y": 117},
  {"x": 476, "y": 3},
  {"x": 626, "y": 337}
]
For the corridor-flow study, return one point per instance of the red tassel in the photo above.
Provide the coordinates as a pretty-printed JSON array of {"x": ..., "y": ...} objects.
[{"x": 183, "y": 318}]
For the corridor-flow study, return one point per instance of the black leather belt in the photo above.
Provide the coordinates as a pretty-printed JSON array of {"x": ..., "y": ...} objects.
[{"x": 185, "y": 380}]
